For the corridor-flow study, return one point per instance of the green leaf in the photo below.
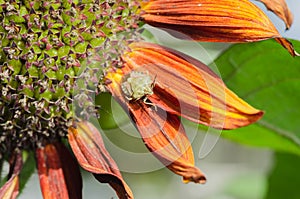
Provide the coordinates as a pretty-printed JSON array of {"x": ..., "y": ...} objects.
[
  {"x": 27, "y": 170},
  {"x": 267, "y": 77},
  {"x": 285, "y": 179},
  {"x": 108, "y": 111},
  {"x": 3, "y": 176}
]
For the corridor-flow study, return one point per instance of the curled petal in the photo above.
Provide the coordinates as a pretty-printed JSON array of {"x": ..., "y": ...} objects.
[
  {"x": 89, "y": 149},
  {"x": 10, "y": 189},
  {"x": 280, "y": 8},
  {"x": 58, "y": 173},
  {"x": 162, "y": 133},
  {"x": 188, "y": 88},
  {"x": 213, "y": 21}
]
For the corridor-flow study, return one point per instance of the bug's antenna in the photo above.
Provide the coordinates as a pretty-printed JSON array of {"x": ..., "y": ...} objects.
[{"x": 153, "y": 83}]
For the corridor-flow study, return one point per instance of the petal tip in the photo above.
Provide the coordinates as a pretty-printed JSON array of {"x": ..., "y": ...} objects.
[
  {"x": 288, "y": 46},
  {"x": 250, "y": 119},
  {"x": 199, "y": 179},
  {"x": 258, "y": 116}
]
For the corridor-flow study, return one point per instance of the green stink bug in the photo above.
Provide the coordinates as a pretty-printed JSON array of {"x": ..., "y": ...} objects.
[{"x": 137, "y": 85}]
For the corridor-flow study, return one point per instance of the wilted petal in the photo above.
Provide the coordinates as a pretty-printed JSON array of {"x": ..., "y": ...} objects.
[
  {"x": 280, "y": 8},
  {"x": 10, "y": 189},
  {"x": 213, "y": 21},
  {"x": 162, "y": 133},
  {"x": 89, "y": 149},
  {"x": 188, "y": 88},
  {"x": 58, "y": 173}
]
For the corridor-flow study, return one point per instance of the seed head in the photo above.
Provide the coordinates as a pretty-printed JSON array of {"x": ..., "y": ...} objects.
[{"x": 53, "y": 57}]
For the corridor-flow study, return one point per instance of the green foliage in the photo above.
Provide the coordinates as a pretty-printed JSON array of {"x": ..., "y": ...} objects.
[
  {"x": 27, "y": 170},
  {"x": 108, "y": 107},
  {"x": 285, "y": 179},
  {"x": 267, "y": 77}
]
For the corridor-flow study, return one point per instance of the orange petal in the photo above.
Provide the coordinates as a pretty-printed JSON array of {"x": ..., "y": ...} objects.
[
  {"x": 162, "y": 133},
  {"x": 10, "y": 189},
  {"x": 166, "y": 139},
  {"x": 280, "y": 8},
  {"x": 188, "y": 88},
  {"x": 89, "y": 149},
  {"x": 213, "y": 21},
  {"x": 58, "y": 173}
]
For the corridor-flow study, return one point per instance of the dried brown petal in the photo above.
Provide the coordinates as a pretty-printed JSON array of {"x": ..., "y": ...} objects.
[
  {"x": 89, "y": 149},
  {"x": 58, "y": 173},
  {"x": 280, "y": 8}
]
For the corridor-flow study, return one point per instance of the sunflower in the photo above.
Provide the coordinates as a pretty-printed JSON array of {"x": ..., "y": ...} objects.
[{"x": 55, "y": 55}]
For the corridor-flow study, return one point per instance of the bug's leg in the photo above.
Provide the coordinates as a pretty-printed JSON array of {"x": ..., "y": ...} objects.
[
  {"x": 149, "y": 103},
  {"x": 128, "y": 98}
]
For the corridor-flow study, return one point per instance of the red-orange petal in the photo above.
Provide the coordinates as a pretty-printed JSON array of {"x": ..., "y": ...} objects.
[
  {"x": 88, "y": 147},
  {"x": 58, "y": 173},
  {"x": 165, "y": 137},
  {"x": 280, "y": 8},
  {"x": 10, "y": 189},
  {"x": 162, "y": 133},
  {"x": 188, "y": 88},
  {"x": 213, "y": 21}
]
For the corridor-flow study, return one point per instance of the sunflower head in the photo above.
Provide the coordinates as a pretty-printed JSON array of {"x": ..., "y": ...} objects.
[{"x": 53, "y": 57}]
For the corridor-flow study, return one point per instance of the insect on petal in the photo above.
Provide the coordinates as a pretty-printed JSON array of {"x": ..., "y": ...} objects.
[
  {"x": 212, "y": 21},
  {"x": 188, "y": 88},
  {"x": 162, "y": 133},
  {"x": 88, "y": 147}
]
